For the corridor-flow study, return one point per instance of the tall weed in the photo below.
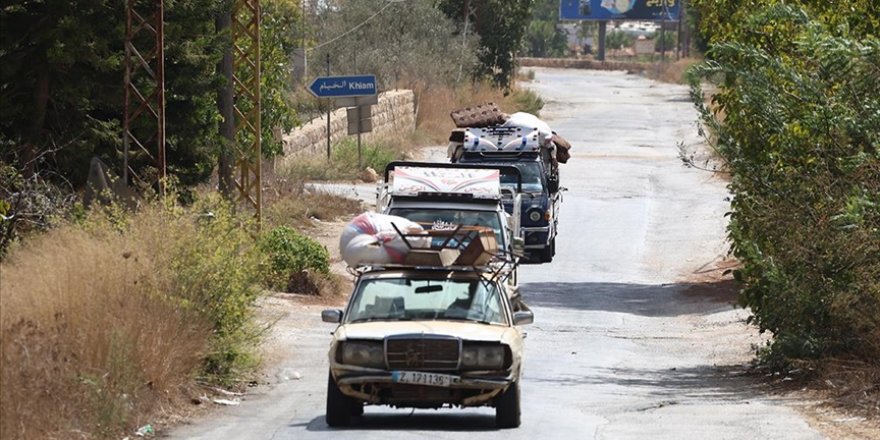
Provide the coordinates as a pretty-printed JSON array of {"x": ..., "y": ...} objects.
[{"x": 108, "y": 320}]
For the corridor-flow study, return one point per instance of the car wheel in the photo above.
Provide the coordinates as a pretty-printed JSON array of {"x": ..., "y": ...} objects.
[
  {"x": 357, "y": 408},
  {"x": 507, "y": 413},
  {"x": 339, "y": 406}
]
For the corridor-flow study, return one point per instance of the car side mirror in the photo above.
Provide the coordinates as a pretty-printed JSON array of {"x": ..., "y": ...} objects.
[
  {"x": 523, "y": 317},
  {"x": 553, "y": 184},
  {"x": 333, "y": 316}
]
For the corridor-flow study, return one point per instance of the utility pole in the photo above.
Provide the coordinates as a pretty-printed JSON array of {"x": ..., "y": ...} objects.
[
  {"x": 600, "y": 55},
  {"x": 143, "y": 117},
  {"x": 328, "y": 112},
  {"x": 678, "y": 35},
  {"x": 246, "y": 18},
  {"x": 225, "y": 99}
]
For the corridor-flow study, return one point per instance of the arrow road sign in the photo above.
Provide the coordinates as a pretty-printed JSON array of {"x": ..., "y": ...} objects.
[{"x": 343, "y": 86}]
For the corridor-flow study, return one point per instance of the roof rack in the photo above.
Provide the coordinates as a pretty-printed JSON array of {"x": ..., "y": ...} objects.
[{"x": 462, "y": 248}]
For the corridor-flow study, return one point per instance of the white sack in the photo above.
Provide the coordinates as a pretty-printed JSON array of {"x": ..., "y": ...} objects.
[{"x": 370, "y": 238}]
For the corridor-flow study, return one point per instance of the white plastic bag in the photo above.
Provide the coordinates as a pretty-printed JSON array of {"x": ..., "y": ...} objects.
[{"x": 370, "y": 238}]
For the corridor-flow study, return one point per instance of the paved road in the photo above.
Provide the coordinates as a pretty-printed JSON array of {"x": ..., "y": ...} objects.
[{"x": 624, "y": 346}]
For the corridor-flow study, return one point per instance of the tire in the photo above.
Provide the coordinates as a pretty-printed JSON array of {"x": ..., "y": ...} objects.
[
  {"x": 357, "y": 408},
  {"x": 507, "y": 412},
  {"x": 339, "y": 406}
]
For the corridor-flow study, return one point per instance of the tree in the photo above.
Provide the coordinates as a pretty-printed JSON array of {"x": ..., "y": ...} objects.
[
  {"x": 544, "y": 37},
  {"x": 409, "y": 44},
  {"x": 501, "y": 25},
  {"x": 795, "y": 120},
  {"x": 61, "y": 83},
  {"x": 62, "y": 86}
]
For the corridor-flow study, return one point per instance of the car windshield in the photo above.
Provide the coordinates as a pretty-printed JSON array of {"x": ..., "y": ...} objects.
[
  {"x": 415, "y": 299},
  {"x": 450, "y": 218},
  {"x": 531, "y": 176}
]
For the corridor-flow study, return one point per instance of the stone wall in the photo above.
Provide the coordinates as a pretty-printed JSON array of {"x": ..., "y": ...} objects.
[
  {"x": 395, "y": 112},
  {"x": 573, "y": 63}
]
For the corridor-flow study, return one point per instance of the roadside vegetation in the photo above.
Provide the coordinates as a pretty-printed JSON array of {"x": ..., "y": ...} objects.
[
  {"x": 116, "y": 318},
  {"x": 111, "y": 316},
  {"x": 118, "y": 315},
  {"x": 795, "y": 119}
]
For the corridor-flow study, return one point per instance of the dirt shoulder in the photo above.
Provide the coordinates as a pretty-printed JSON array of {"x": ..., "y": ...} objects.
[{"x": 818, "y": 400}]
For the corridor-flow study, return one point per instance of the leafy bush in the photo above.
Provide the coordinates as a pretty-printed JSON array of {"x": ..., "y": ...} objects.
[
  {"x": 797, "y": 120},
  {"x": 527, "y": 101},
  {"x": 290, "y": 253},
  {"x": 619, "y": 39},
  {"x": 214, "y": 269},
  {"x": 374, "y": 154}
]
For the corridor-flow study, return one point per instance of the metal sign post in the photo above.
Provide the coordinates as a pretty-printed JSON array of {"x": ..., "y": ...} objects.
[
  {"x": 346, "y": 91},
  {"x": 328, "y": 111},
  {"x": 360, "y": 121}
]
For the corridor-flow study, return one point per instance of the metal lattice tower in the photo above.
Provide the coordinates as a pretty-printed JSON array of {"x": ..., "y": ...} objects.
[
  {"x": 246, "y": 76},
  {"x": 143, "y": 121}
]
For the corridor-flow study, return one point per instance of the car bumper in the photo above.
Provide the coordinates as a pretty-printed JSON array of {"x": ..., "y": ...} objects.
[
  {"x": 377, "y": 387},
  {"x": 536, "y": 237}
]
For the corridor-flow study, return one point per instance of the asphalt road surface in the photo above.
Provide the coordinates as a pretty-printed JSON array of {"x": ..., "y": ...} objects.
[{"x": 627, "y": 344}]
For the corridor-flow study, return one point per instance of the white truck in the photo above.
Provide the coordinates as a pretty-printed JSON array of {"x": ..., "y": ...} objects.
[{"x": 443, "y": 196}]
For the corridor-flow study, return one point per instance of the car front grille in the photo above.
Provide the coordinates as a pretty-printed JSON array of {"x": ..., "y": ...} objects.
[{"x": 422, "y": 353}]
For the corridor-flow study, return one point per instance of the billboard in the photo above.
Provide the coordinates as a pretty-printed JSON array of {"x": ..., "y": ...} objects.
[{"x": 641, "y": 10}]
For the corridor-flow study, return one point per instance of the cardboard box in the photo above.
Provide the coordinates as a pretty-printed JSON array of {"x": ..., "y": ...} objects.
[
  {"x": 431, "y": 257},
  {"x": 480, "y": 250}
]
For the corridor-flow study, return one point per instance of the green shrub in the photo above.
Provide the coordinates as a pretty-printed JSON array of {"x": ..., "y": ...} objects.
[
  {"x": 796, "y": 120},
  {"x": 290, "y": 253},
  {"x": 619, "y": 39},
  {"x": 527, "y": 101},
  {"x": 374, "y": 154},
  {"x": 215, "y": 268}
]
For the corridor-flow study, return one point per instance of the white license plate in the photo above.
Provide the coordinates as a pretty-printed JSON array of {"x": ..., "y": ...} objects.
[{"x": 419, "y": 378}]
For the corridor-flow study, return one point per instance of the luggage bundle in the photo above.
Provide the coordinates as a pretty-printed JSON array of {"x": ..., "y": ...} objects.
[
  {"x": 372, "y": 239},
  {"x": 485, "y": 129}
]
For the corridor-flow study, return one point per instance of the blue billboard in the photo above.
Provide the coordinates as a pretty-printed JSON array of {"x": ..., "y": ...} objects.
[{"x": 641, "y": 10}]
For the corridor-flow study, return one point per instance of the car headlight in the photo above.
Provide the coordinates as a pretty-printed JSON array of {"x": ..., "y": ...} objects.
[
  {"x": 483, "y": 357},
  {"x": 535, "y": 215},
  {"x": 363, "y": 354}
]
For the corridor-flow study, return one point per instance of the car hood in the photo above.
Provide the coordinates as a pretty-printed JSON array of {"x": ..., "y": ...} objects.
[{"x": 464, "y": 330}]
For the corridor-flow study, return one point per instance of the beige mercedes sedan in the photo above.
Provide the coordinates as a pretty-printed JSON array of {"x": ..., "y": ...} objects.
[{"x": 426, "y": 338}]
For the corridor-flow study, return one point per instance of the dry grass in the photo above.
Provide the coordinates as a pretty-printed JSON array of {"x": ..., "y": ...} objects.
[
  {"x": 343, "y": 166},
  {"x": 853, "y": 385},
  {"x": 672, "y": 72},
  {"x": 287, "y": 202},
  {"x": 435, "y": 104},
  {"x": 107, "y": 323},
  {"x": 88, "y": 349}
]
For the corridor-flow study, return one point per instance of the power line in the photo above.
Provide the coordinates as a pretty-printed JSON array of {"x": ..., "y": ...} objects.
[{"x": 358, "y": 26}]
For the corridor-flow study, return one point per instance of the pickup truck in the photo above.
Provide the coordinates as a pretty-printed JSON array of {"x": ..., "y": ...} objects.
[{"x": 533, "y": 154}]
